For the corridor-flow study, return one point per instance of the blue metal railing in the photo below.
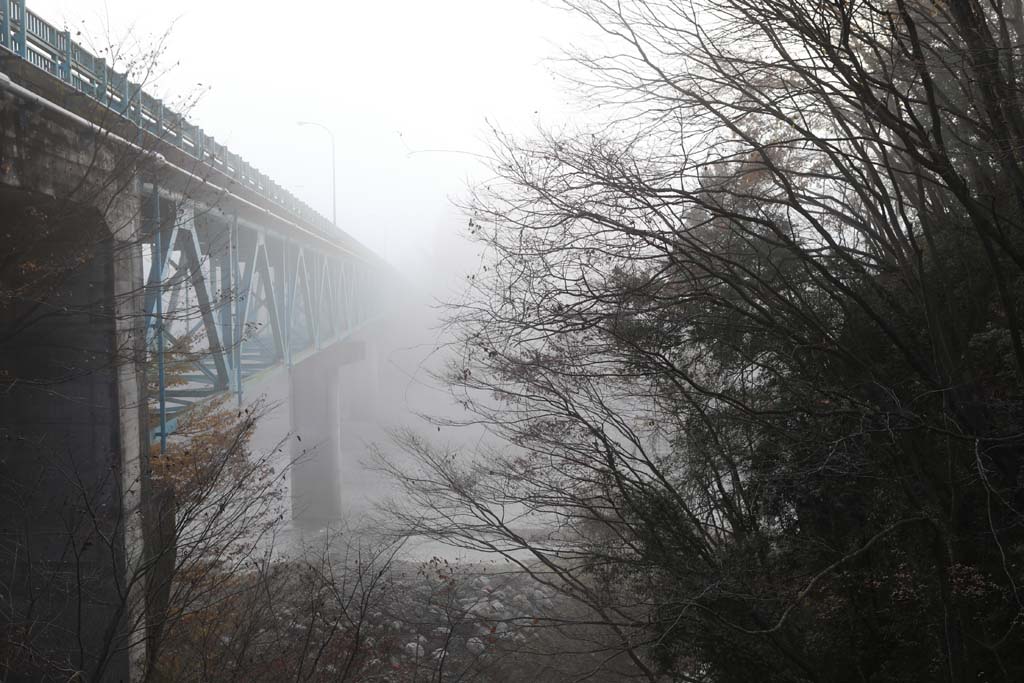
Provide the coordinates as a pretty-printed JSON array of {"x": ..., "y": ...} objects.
[{"x": 52, "y": 50}]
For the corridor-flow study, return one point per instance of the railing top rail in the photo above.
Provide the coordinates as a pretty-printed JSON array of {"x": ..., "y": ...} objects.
[{"x": 52, "y": 50}]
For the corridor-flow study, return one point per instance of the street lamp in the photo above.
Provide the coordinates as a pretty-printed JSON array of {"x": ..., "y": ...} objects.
[{"x": 334, "y": 173}]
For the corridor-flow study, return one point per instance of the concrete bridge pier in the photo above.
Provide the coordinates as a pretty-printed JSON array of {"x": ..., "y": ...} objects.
[
  {"x": 316, "y": 475},
  {"x": 73, "y": 446},
  {"x": 363, "y": 420}
]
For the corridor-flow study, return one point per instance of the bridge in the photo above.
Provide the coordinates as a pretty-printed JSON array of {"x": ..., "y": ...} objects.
[{"x": 150, "y": 269}]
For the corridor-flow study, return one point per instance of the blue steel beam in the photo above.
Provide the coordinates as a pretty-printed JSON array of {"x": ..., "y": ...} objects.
[
  {"x": 158, "y": 264},
  {"x": 22, "y": 18},
  {"x": 5, "y": 24}
]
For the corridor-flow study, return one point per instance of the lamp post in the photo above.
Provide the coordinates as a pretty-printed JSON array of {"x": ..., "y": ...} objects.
[{"x": 334, "y": 173}]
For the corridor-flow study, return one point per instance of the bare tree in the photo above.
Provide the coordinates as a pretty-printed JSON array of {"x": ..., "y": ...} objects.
[
  {"x": 313, "y": 616},
  {"x": 753, "y": 344}
]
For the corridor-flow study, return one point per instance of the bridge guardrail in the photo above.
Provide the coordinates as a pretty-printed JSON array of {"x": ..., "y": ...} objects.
[{"x": 52, "y": 50}]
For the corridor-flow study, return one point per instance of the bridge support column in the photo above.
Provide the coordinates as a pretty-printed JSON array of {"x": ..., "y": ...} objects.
[
  {"x": 363, "y": 419},
  {"x": 316, "y": 470},
  {"x": 73, "y": 442},
  {"x": 316, "y": 475}
]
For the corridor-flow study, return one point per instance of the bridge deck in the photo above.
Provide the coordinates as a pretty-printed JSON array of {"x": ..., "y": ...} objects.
[{"x": 53, "y": 51}]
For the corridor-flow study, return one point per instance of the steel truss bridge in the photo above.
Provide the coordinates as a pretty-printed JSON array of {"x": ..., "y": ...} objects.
[
  {"x": 237, "y": 283},
  {"x": 228, "y": 299}
]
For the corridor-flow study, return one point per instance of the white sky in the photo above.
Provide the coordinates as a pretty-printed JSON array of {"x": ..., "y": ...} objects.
[{"x": 390, "y": 77}]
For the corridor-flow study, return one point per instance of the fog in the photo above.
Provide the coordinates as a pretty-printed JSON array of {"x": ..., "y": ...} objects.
[
  {"x": 718, "y": 378},
  {"x": 411, "y": 91}
]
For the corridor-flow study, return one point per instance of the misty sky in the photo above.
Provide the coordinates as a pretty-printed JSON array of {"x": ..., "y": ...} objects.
[{"x": 392, "y": 78}]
